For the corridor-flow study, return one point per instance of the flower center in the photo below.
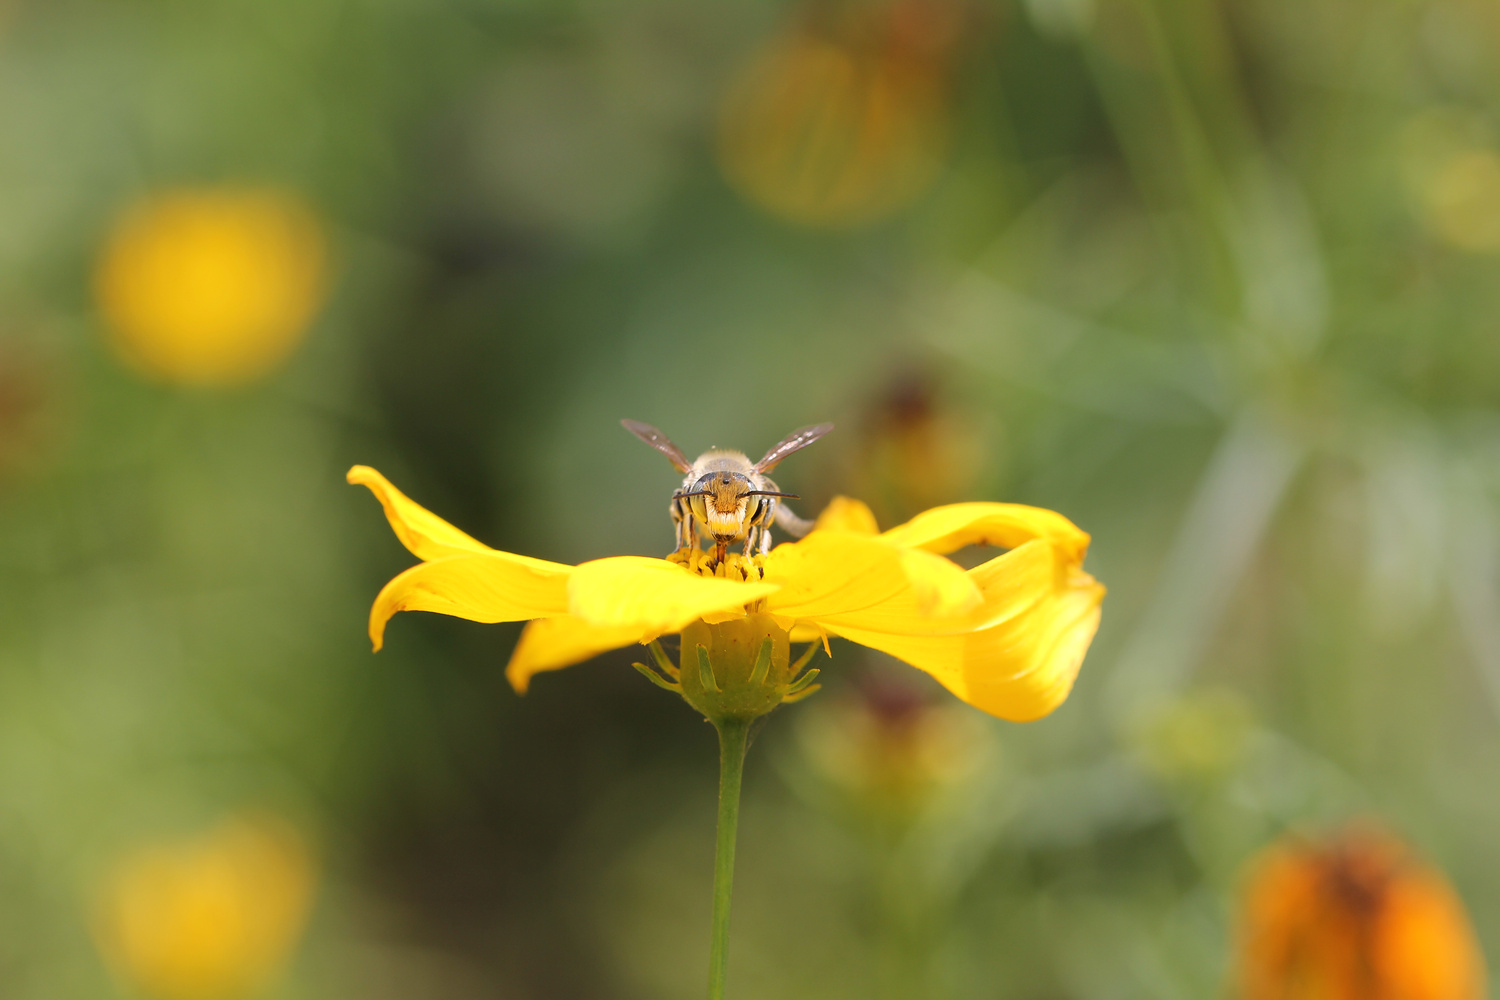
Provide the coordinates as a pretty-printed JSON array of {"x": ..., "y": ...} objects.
[{"x": 734, "y": 566}]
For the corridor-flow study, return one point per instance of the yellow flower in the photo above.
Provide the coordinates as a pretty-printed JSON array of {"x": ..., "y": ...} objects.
[
  {"x": 1007, "y": 636},
  {"x": 210, "y": 917},
  {"x": 211, "y": 287},
  {"x": 1463, "y": 201}
]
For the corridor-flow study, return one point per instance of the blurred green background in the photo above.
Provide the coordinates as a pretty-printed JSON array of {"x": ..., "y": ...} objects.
[{"x": 1217, "y": 280}]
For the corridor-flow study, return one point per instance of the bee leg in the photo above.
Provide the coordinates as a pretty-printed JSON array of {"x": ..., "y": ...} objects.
[
  {"x": 682, "y": 526},
  {"x": 675, "y": 510},
  {"x": 765, "y": 540},
  {"x": 750, "y": 541}
]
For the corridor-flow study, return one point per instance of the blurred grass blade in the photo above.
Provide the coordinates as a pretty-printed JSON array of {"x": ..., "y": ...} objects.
[{"x": 1240, "y": 491}]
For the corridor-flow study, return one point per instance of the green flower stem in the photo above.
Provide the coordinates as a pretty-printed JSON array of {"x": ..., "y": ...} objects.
[{"x": 733, "y": 740}]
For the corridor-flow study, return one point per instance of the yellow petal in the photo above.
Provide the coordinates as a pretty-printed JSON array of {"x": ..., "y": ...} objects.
[
  {"x": 653, "y": 596},
  {"x": 847, "y": 514},
  {"x": 832, "y": 572},
  {"x": 425, "y": 534},
  {"x": 806, "y": 632},
  {"x": 940, "y": 586},
  {"x": 1020, "y": 669},
  {"x": 480, "y": 586},
  {"x": 554, "y": 643},
  {"x": 1009, "y": 585},
  {"x": 1007, "y": 525}
]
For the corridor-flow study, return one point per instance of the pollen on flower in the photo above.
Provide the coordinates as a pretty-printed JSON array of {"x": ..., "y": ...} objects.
[{"x": 733, "y": 567}]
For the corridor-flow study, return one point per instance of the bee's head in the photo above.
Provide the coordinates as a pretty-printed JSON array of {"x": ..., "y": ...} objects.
[
  {"x": 720, "y": 500},
  {"x": 727, "y": 503}
]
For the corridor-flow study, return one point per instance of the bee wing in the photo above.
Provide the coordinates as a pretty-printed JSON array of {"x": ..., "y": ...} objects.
[
  {"x": 795, "y": 441},
  {"x": 660, "y": 442}
]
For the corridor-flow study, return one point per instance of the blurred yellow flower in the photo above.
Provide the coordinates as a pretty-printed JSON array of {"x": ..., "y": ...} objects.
[
  {"x": 207, "y": 918},
  {"x": 1356, "y": 917},
  {"x": 1198, "y": 737},
  {"x": 1463, "y": 200},
  {"x": 1007, "y": 636},
  {"x": 211, "y": 287},
  {"x": 1452, "y": 169},
  {"x": 846, "y": 125}
]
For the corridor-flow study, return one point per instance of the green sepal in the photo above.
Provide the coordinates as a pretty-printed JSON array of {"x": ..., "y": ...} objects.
[
  {"x": 657, "y": 679},
  {"x": 706, "y": 672},
  {"x": 663, "y": 663},
  {"x": 792, "y": 699},
  {"x": 804, "y": 659},
  {"x": 801, "y": 683},
  {"x": 762, "y": 664}
]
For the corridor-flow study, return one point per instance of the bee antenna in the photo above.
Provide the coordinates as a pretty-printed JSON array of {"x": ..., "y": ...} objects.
[
  {"x": 698, "y": 493},
  {"x": 772, "y": 493}
]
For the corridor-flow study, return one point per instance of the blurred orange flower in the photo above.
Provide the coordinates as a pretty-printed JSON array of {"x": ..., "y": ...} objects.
[
  {"x": 211, "y": 287},
  {"x": 845, "y": 122},
  {"x": 210, "y": 917},
  {"x": 1356, "y": 917}
]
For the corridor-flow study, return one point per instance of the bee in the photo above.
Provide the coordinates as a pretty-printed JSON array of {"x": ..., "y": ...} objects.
[{"x": 726, "y": 496}]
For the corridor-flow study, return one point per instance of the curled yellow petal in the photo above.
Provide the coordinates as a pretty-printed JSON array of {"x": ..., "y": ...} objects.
[
  {"x": 425, "y": 535},
  {"x": 1020, "y": 668},
  {"x": 554, "y": 643},
  {"x": 847, "y": 514},
  {"x": 653, "y": 596},
  {"x": 1006, "y": 525},
  {"x": 940, "y": 587},
  {"x": 480, "y": 586}
]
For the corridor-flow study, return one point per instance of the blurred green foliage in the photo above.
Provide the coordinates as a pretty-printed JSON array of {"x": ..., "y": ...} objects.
[{"x": 1216, "y": 280}]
